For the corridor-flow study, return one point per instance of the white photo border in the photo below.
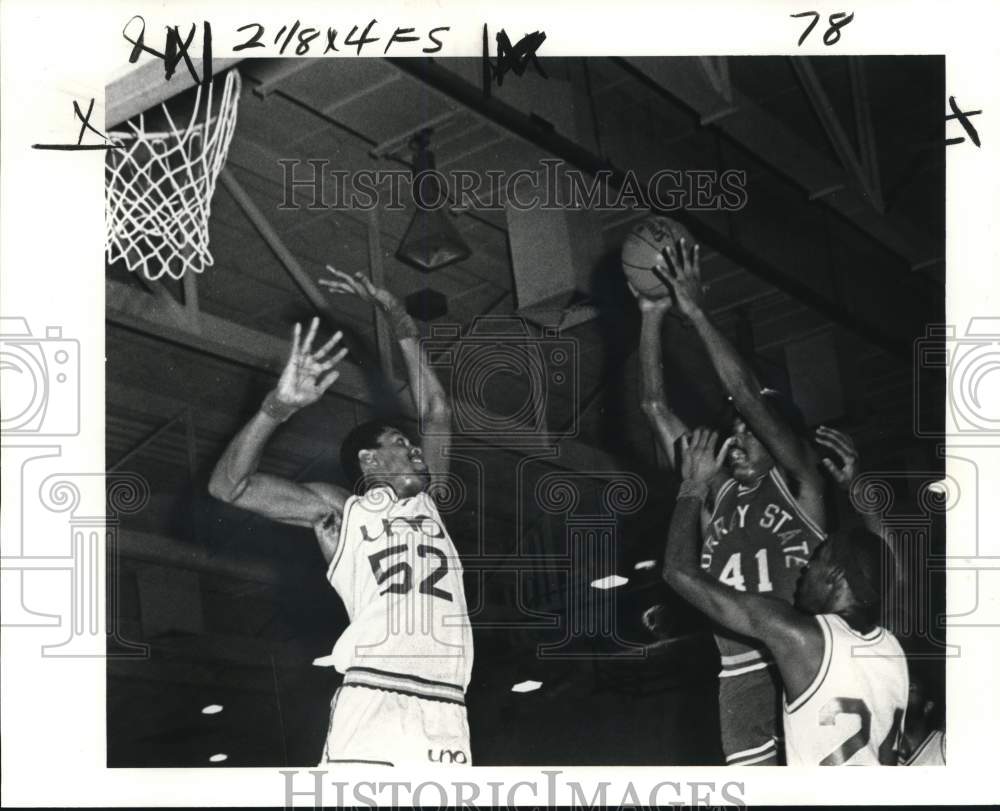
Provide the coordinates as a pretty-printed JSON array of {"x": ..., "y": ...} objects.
[{"x": 52, "y": 243}]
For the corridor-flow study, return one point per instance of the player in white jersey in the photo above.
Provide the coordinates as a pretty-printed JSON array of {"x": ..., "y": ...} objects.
[
  {"x": 852, "y": 711},
  {"x": 844, "y": 678},
  {"x": 406, "y": 655}
]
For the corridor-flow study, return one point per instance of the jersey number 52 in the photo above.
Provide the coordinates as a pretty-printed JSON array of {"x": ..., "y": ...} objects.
[{"x": 401, "y": 573}]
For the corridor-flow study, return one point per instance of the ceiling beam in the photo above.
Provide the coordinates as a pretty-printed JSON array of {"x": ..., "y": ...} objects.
[
  {"x": 402, "y": 138},
  {"x": 302, "y": 279},
  {"x": 835, "y": 131},
  {"x": 183, "y": 316},
  {"x": 132, "y": 309},
  {"x": 185, "y": 415},
  {"x": 269, "y": 74},
  {"x": 264, "y": 164},
  {"x": 910, "y": 305},
  {"x": 863, "y": 122},
  {"x": 717, "y": 70},
  {"x": 774, "y": 144},
  {"x": 358, "y": 95},
  {"x": 214, "y": 427}
]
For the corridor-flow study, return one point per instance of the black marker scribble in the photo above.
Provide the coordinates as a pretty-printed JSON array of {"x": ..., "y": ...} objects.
[
  {"x": 175, "y": 49},
  {"x": 832, "y": 35},
  {"x": 85, "y": 125},
  {"x": 510, "y": 57},
  {"x": 963, "y": 119},
  {"x": 298, "y": 38}
]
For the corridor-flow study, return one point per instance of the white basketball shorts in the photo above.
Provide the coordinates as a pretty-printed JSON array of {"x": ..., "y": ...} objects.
[{"x": 402, "y": 721}]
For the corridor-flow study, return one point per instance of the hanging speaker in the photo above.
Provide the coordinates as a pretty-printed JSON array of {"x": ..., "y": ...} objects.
[{"x": 431, "y": 240}]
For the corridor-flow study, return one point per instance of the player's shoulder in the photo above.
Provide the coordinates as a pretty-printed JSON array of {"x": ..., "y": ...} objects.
[
  {"x": 803, "y": 502},
  {"x": 720, "y": 487},
  {"x": 877, "y": 640},
  {"x": 784, "y": 481},
  {"x": 795, "y": 630},
  {"x": 800, "y": 486}
]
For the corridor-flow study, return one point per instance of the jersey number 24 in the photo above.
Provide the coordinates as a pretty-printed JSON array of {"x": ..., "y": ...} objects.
[{"x": 859, "y": 740}]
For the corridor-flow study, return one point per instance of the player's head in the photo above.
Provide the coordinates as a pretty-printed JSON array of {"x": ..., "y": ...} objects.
[
  {"x": 748, "y": 458},
  {"x": 378, "y": 452},
  {"x": 844, "y": 574}
]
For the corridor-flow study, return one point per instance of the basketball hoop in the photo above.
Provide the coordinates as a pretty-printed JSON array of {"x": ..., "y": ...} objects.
[{"x": 159, "y": 187}]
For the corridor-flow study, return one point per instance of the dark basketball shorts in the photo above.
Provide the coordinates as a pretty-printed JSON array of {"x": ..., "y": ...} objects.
[{"x": 750, "y": 718}]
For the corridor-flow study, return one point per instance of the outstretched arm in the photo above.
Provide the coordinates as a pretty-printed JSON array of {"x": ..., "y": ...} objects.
[
  {"x": 791, "y": 636},
  {"x": 666, "y": 425},
  {"x": 844, "y": 475},
  {"x": 235, "y": 479},
  {"x": 792, "y": 453},
  {"x": 429, "y": 397}
]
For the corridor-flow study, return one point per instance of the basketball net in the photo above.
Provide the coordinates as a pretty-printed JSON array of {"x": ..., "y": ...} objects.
[{"x": 159, "y": 187}]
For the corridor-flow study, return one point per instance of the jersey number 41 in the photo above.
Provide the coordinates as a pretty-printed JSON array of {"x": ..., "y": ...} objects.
[{"x": 732, "y": 573}]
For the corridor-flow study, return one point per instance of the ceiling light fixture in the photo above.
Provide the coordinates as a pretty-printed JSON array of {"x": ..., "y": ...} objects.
[
  {"x": 610, "y": 582},
  {"x": 211, "y": 709},
  {"x": 431, "y": 241},
  {"x": 218, "y": 758},
  {"x": 526, "y": 686},
  {"x": 644, "y": 564}
]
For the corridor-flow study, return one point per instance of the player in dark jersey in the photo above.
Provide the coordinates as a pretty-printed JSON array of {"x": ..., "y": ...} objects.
[
  {"x": 766, "y": 515},
  {"x": 844, "y": 679}
]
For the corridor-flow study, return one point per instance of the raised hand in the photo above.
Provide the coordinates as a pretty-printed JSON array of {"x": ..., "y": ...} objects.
[
  {"x": 400, "y": 322},
  {"x": 308, "y": 374},
  {"x": 700, "y": 459},
  {"x": 844, "y": 446},
  {"x": 359, "y": 285},
  {"x": 650, "y": 305},
  {"x": 684, "y": 272}
]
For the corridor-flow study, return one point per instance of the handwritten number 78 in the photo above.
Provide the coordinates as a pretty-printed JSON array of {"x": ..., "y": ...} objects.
[{"x": 832, "y": 35}]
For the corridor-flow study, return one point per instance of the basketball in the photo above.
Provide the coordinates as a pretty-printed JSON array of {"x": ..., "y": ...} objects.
[{"x": 641, "y": 252}]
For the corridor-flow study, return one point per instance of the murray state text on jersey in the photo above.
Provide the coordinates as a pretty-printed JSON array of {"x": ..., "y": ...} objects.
[{"x": 756, "y": 540}]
